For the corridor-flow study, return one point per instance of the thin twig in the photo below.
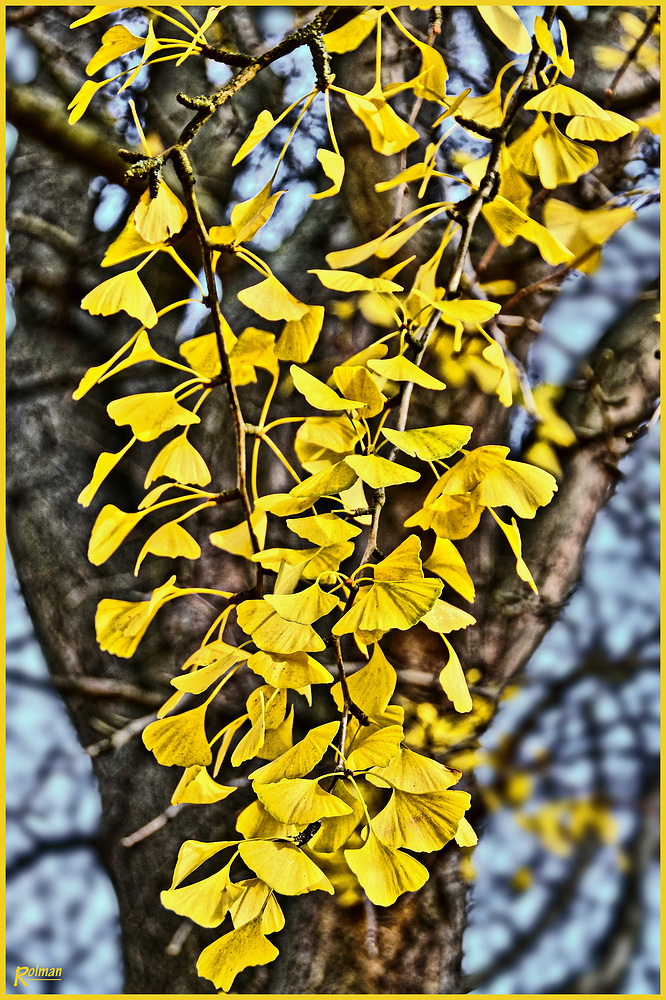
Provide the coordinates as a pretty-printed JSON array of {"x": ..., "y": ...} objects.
[{"x": 629, "y": 58}]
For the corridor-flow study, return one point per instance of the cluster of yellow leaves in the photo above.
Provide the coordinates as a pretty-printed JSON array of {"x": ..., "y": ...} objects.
[{"x": 369, "y": 798}]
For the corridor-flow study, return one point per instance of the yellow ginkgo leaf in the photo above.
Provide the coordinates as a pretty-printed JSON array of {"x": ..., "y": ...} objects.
[
  {"x": 150, "y": 414},
  {"x": 79, "y": 103},
  {"x": 584, "y": 231},
  {"x": 444, "y": 617},
  {"x": 508, "y": 222},
  {"x": 299, "y": 337},
  {"x": 350, "y": 281},
  {"x": 237, "y": 540},
  {"x": 335, "y": 831},
  {"x": 328, "y": 482},
  {"x": 521, "y": 150},
  {"x": 378, "y": 472},
  {"x": 299, "y": 800},
  {"x": 255, "y": 823},
  {"x": 451, "y": 517},
  {"x": 170, "y": 540},
  {"x": 507, "y": 26},
  {"x": 295, "y": 670},
  {"x": 384, "y": 872},
  {"x": 264, "y": 124},
  {"x": 430, "y": 443},
  {"x": 257, "y": 898},
  {"x": 301, "y": 758},
  {"x": 111, "y": 527},
  {"x": 105, "y": 464},
  {"x": 356, "y": 382},
  {"x": 282, "y": 504},
  {"x": 351, "y": 34},
  {"x": 513, "y": 186},
  {"x": 323, "y": 529},
  {"x": 219, "y": 663},
  {"x": 517, "y": 485},
  {"x": 446, "y": 561},
  {"x": 241, "y": 948},
  {"x": 304, "y": 607},
  {"x": 116, "y": 42},
  {"x": 513, "y": 537},
  {"x": 248, "y": 217},
  {"x": 128, "y": 244},
  {"x": 272, "y": 301},
  {"x": 193, "y": 853},
  {"x": 285, "y": 867},
  {"x": 560, "y": 160},
  {"x": 422, "y": 822},
  {"x": 413, "y": 772},
  {"x": 157, "y": 219},
  {"x": 465, "y": 835},
  {"x": 333, "y": 165},
  {"x": 180, "y": 739},
  {"x": 272, "y": 633},
  {"x": 388, "y": 133},
  {"x": 320, "y": 395},
  {"x": 562, "y": 100},
  {"x": 398, "y": 598},
  {"x": 453, "y": 682},
  {"x": 375, "y": 749},
  {"x": 495, "y": 356},
  {"x": 201, "y": 353},
  {"x": 197, "y": 786},
  {"x": 206, "y": 902},
  {"x": 120, "y": 625},
  {"x": 179, "y": 460},
  {"x": 564, "y": 62},
  {"x": 370, "y": 688},
  {"x": 124, "y": 292},
  {"x": 400, "y": 369}
]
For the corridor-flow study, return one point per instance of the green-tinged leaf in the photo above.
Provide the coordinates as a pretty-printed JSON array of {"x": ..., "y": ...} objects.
[
  {"x": 285, "y": 867},
  {"x": 430, "y": 443},
  {"x": 384, "y": 872}
]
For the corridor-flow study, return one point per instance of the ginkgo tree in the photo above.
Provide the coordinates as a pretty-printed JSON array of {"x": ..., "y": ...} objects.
[{"x": 340, "y": 800}]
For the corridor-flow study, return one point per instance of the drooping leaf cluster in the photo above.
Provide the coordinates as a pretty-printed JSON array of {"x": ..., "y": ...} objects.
[{"x": 344, "y": 809}]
